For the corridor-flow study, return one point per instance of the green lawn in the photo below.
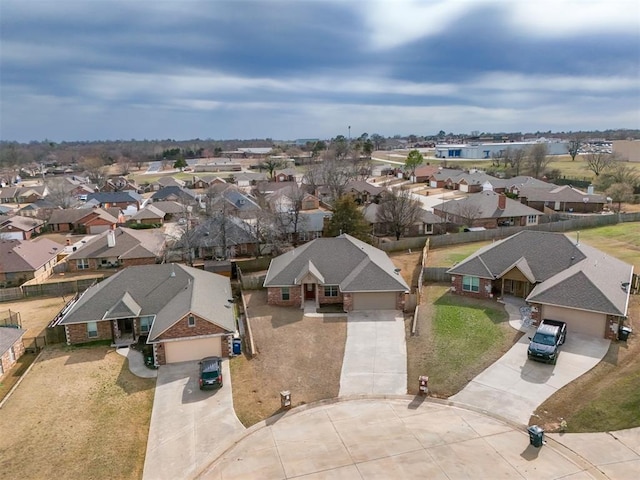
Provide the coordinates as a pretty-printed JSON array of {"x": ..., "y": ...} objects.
[{"x": 457, "y": 339}]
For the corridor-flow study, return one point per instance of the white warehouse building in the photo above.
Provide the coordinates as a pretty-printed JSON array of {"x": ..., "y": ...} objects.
[{"x": 482, "y": 151}]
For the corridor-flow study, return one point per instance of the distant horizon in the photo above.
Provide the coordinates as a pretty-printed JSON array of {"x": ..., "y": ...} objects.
[{"x": 122, "y": 69}]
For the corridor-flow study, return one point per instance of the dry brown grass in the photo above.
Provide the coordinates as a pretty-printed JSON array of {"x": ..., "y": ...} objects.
[
  {"x": 409, "y": 265},
  {"x": 79, "y": 413},
  {"x": 296, "y": 353},
  {"x": 35, "y": 314}
]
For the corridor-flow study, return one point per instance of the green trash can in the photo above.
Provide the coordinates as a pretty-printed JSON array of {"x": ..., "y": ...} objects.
[
  {"x": 536, "y": 436},
  {"x": 623, "y": 333}
]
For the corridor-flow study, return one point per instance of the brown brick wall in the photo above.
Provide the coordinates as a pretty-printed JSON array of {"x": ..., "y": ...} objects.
[
  {"x": 400, "y": 300},
  {"x": 182, "y": 329},
  {"x": 347, "y": 302},
  {"x": 77, "y": 332},
  {"x": 611, "y": 329},
  {"x": 274, "y": 296},
  {"x": 130, "y": 262},
  {"x": 322, "y": 300},
  {"x": 18, "y": 350},
  {"x": 536, "y": 310},
  {"x": 456, "y": 284},
  {"x": 160, "y": 356}
]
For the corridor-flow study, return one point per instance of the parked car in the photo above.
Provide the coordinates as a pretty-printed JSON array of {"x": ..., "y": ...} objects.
[
  {"x": 544, "y": 344},
  {"x": 210, "y": 373}
]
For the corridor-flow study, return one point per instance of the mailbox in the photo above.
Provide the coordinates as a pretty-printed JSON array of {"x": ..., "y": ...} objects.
[
  {"x": 423, "y": 384},
  {"x": 285, "y": 399}
]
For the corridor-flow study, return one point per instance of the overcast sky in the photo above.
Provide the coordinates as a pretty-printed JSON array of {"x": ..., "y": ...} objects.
[{"x": 158, "y": 69}]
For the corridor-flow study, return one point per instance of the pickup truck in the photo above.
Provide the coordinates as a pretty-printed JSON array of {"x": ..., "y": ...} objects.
[{"x": 548, "y": 337}]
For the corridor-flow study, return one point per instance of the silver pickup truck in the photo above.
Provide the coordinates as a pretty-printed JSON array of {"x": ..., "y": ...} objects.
[{"x": 548, "y": 337}]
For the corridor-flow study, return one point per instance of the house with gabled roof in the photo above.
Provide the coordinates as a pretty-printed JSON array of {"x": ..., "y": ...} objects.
[
  {"x": 149, "y": 215},
  {"x": 563, "y": 198},
  {"x": 337, "y": 270},
  {"x": 19, "y": 227},
  {"x": 121, "y": 200},
  {"x": 364, "y": 192},
  {"x": 86, "y": 220},
  {"x": 184, "y": 312},
  {"x": 560, "y": 278},
  {"x": 487, "y": 209},
  {"x": 23, "y": 260},
  {"x": 220, "y": 236},
  {"x": 174, "y": 193},
  {"x": 11, "y": 348},
  {"x": 122, "y": 247}
]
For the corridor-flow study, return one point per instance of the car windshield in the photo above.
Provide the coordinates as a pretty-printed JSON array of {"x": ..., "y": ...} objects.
[
  {"x": 543, "y": 339},
  {"x": 210, "y": 368}
]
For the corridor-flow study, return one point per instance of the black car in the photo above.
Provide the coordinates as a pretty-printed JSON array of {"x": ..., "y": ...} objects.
[{"x": 210, "y": 373}]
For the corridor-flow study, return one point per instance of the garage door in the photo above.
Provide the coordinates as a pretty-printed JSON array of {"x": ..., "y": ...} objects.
[
  {"x": 187, "y": 350},
  {"x": 374, "y": 301},
  {"x": 577, "y": 321}
]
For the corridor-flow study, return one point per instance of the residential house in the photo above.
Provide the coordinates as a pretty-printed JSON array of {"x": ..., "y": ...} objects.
[
  {"x": 119, "y": 184},
  {"x": 175, "y": 194},
  {"x": 11, "y": 348},
  {"x": 41, "y": 208},
  {"x": 149, "y": 215},
  {"x": 220, "y": 237},
  {"x": 184, "y": 312},
  {"x": 487, "y": 209},
  {"x": 23, "y": 260},
  {"x": 309, "y": 226},
  {"x": 170, "y": 209},
  {"x": 85, "y": 220},
  {"x": 563, "y": 198},
  {"x": 427, "y": 223},
  {"x": 286, "y": 175},
  {"x": 22, "y": 194},
  {"x": 19, "y": 227},
  {"x": 292, "y": 197},
  {"x": 122, "y": 247},
  {"x": 163, "y": 182},
  {"x": 364, "y": 192},
  {"x": 122, "y": 200},
  {"x": 336, "y": 270},
  {"x": 204, "y": 182},
  {"x": 234, "y": 202},
  {"x": 560, "y": 278},
  {"x": 424, "y": 173},
  {"x": 444, "y": 178},
  {"x": 247, "y": 180}
]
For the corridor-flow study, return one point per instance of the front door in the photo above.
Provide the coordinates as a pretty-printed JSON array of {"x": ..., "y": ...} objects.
[{"x": 310, "y": 291}]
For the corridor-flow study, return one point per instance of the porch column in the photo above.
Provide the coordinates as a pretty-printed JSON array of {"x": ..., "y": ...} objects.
[{"x": 302, "y": 299}]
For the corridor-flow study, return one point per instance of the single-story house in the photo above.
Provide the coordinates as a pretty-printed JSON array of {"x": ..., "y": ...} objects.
[
  {"x": 19, "y": 227},
  {"x": 122, "y": 247},
  {"x": 487, "y": 209},
  {"x": 121, "y": 200},
  {"x": 338, "y": 270},
  {"x": 364, "y": 192},
  {"x": 149, "y": 215},
  {"x": 427, "y": 223},
  {"x": 174, "y": 193},
  {"x": 563, "y": 198},
  {"x": 11, "y": 348},
  {"x": 84, "y": 220},
  {"x": 220, "y": 236},
  {"x": 41, "y": 208},
  {"x": 23, "y": 260},
  {"x": 184, "y": 312},
  {"x": 560, "y": 278}
]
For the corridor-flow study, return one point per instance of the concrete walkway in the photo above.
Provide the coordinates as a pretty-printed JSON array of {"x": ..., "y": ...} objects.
[
  {"x": 136, "y": 363},
  {"x": 514, "y": 386},
  {"x": 411, "y": 437},
  {"x": 375, "y": 354}
]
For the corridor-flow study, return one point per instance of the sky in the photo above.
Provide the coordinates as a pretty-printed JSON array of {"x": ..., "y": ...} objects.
[{"x": 223, "y": 69}]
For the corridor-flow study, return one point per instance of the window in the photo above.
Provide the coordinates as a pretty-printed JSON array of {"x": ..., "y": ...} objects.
[
  {"x": 191, "y": 321},
  {"x": 330, "y": 290},
  {"x": 92, "y": 329},
  {"x": 284, "y": 293},
  {"x": 470, "y": 284},
  {"x": 532, "y": 219},
  {"x": 145, "y": 324},
  {"x": 82, "y": 263},
  {"x": 12, "y": 354}
]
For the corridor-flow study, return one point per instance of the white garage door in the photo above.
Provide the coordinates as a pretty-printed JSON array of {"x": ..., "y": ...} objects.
[
  {"x": 12, "y": 235},
  {"x": 577, "y": 321},
  {"x": 95, "y": 229},
  {"x": 374, "y": 301},
  {"x": 187, "y": 350}
]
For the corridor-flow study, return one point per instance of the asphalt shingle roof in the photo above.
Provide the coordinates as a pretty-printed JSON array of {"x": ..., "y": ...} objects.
[
  {"x": 487, "y": 204},
  {"x": 9, "y": 336},
  {"x": 26, "y": 256},
  {"x": 345, "y": 261},
  {"x": 130, "y": 243}
]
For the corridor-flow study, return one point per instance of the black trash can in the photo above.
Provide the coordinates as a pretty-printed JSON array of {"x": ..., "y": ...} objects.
[
  {"x": 623, "y": 333},
  {"x": 536, "y": 436},
  {"x": 237, "y": 346}
]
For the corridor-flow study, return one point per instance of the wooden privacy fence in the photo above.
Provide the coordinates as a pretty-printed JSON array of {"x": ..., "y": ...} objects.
[
  {"x": 50, "y": 289},
  {"x": 251, "y": 281},
  {"x": 9, "y": 294}
]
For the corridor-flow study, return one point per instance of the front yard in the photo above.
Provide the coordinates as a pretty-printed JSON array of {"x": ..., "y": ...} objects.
[
  {"x": 456, "y": 339},
  {"x": 296, "y": 353},
  {"x": 79, "y": 413}
]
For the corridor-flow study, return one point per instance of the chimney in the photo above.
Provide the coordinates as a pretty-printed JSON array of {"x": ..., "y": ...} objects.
[
  {"x": 111, "y": 239},
  {"x": 502, "y": 201}
]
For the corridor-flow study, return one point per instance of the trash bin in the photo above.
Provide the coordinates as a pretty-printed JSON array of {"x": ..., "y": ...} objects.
[
  {"x": 536, "y": 436},
  {"x": 623, "y": 333},
  {"x": 237, "y": 346}
]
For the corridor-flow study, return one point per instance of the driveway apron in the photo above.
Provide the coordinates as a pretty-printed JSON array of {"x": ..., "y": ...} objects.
[
  {"x": 375, "y": 354},
  {"x": 189, "y": 428}
]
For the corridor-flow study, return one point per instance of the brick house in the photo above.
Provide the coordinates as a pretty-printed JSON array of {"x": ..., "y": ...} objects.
[
  {"x": 183, "y": 312},
  {"x": 559, "y": 278},
  {"x": 23, "y": 260},
  {"x": 339, "y": 270},
  {"x": 11, "y": 348},
  {"x": 19, "y": 227},
  {"x": 119, "y": 248},
  {"x": 85, "y": 220}
]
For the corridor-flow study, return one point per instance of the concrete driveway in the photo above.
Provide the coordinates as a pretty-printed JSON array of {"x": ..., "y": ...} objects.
[
  {"x": 514, "y": 386},
  {"x": 375, "y": 354},
  {"x": 189, "y": 428}
]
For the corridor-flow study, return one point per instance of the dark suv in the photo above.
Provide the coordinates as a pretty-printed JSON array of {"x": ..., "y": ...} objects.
[{"x": 210, "y": 373}]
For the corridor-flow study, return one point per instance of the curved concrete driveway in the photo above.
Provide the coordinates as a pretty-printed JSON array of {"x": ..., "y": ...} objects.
[
  {"x": 514, "y": 386},
  {"x": 405, "y": 438},
  {"x": 189, "y": 428},
  {"x": 375, "y": 354}
]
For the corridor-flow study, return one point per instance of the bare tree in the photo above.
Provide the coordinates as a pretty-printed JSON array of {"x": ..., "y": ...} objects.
[
  {"x": 399, "y": 210},
  {"x": 619, "y": 193},
  {"x": 574, "y": 148},
  {"x": 59, "y": 192},
  {"x": 516, "y": 159},
  {"x": 96, "y": 171},
  {"x": 538, "y": 159},
  {"x": 289, "y": 213},
  {"x": 468, "y": 212},
  {"x": 599, "y": 162}
]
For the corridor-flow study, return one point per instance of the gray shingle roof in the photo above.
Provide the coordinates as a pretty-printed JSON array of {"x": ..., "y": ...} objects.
[
  {"x": 345, "y": 261},
  {"x": 129, "y": 244},
  {"x": 487, "y": 202},
  {"x": 168, "y": 291},
  {"x": 566, "y": 274},
  {"x": 9, "y": 336},
  {"x": 27, "y": 256}
]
